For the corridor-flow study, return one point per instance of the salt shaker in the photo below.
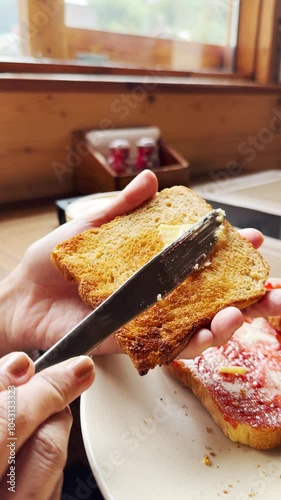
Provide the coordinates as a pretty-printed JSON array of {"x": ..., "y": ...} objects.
[
  {"x": 119, "y": 155},
  {"x": 147, "y": 155}
]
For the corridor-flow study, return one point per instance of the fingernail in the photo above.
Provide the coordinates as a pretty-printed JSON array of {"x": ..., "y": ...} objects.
[
  {"x": 17, "y": 365},
  {"x": 82, "y": 367}
]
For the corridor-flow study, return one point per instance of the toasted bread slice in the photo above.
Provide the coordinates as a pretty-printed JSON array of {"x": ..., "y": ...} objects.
[
  {"x": 275, "y": 321},
  {"x": 101, "y": 259},
  {"x": 240, "y": 384}
]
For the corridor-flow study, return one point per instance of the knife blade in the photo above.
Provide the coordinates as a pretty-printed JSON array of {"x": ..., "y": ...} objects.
[{"x": 156, "y": 279}]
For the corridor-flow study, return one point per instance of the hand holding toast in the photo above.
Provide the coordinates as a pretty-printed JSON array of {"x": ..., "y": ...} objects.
[
  {"x": 227, "y": 321},
  {"x": 37, "y": 305},
  {"x": 40, "y": 306},
  {"x": 269, "y": 305}
]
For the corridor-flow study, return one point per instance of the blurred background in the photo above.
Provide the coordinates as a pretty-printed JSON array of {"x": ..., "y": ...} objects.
[
  {"x": 200, "y": 77},
  {"x": 205, "y": 72},
  {"x": 198, "y": 21}
]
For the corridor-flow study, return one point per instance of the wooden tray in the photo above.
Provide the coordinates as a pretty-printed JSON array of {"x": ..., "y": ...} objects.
[{"x": 93, "y": 173}]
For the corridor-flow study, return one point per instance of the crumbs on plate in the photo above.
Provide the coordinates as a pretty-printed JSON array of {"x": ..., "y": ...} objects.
[{"x": 207, "y": 461}]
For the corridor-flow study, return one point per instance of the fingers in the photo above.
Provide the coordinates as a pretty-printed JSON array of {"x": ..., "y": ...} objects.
[
  {"x": 268, "y": 305},
  {"x": 253, "y": 235},
  {"x": 40, "y": 462},
  {"x": 200, "y": 341},
  {"x": 141, "y": 188},
  {"x": 225, "y": 323},
  {"x": 222, "y": 327},
  {"x": 15, "y": 369},
  {"x": 47, "y": 393},
  {"x": 56, "y": 495}
]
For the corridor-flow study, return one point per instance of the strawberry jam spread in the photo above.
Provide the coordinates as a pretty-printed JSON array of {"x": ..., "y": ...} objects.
[
  {"x": 272, "y": 286},
  {"x": 244, "y": 376}
]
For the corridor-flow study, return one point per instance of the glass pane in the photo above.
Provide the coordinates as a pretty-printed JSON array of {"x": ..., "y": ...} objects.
[
  {"x": 206, "y": 21},
  {"x": 184, "y": 35},
  {"x": 9, "y": 28},
  {"x": 174, "y": 29}
]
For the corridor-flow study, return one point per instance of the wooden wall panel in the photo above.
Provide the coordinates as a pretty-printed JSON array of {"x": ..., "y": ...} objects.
[
  {"x": 268, "y": 43},
  {"x": 249, "y": 21},
  {"x": 42, "y": 28},
  {"x": 211, "y": 130}
]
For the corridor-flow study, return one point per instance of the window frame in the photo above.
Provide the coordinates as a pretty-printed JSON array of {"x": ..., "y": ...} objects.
[{"x": 255, "y": 56}]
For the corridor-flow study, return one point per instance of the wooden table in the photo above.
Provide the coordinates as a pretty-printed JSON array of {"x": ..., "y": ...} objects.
[{"x": 21, "y": 225}]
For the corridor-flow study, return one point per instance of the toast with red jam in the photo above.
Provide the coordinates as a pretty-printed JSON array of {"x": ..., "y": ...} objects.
[{"x": 240, "y": 384}]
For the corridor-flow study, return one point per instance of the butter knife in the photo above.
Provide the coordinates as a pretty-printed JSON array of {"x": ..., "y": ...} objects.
[{"x": 145, "y": 287}]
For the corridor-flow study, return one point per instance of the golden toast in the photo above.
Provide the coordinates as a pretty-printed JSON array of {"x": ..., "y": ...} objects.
[{"x": 102, "y": 259}]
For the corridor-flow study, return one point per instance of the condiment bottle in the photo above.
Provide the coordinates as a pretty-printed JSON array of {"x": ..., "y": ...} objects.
[
  {"x": 147, "y": 155},
  {"x": 119, "y": 155}
]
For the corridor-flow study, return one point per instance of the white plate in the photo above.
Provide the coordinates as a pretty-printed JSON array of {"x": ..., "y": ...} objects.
[
  {"x": 146, "y": 437},
  {"x": 90, "y": 203},
  {"x": 271, "y": 251}
]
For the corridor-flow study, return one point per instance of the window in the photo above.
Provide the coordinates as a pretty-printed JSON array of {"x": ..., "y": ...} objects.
[
  {"x": 177, "y": 35},
  {"x": 9, "y": 28},
  {"x": 205, "y": 21}
]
